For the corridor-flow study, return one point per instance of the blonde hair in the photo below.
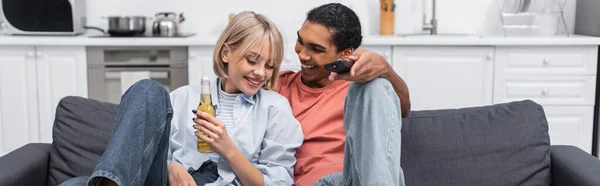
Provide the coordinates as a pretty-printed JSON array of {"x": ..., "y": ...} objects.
[{"x": 249, "y": 28}]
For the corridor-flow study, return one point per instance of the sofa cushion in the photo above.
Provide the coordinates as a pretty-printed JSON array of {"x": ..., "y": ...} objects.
[
  {"x": 503, "y": 144},
  {"x": 82, "y": 128}
]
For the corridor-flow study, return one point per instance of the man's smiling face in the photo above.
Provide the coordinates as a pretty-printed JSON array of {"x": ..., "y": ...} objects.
[{"x": 315, "y": 48}]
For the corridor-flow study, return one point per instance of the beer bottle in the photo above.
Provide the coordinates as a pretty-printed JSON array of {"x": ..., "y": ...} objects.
[{"x": 206, "y": 106}]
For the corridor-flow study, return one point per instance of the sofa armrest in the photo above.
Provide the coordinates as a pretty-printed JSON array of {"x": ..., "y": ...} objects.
[
  {"x": 573, "y": 166},
  {"x": 27, "y": 165}
]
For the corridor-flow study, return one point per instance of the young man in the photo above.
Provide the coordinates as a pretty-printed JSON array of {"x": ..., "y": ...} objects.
[{"x": 351, "y": 122}]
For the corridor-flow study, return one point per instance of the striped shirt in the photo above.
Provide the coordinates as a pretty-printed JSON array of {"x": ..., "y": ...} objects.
[{"x": 226, "y": 102}]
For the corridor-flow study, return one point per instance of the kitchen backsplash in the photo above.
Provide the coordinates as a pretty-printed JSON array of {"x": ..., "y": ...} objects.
[{"x": 210, "y": 17}]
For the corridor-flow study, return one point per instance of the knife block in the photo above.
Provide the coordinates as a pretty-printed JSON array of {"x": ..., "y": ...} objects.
[{"x": 386, "y": 22}]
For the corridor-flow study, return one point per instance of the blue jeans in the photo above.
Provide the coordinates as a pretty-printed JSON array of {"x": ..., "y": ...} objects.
[
  {"x": 137, "y": 150},
  {"x": 372, "y": 120}
]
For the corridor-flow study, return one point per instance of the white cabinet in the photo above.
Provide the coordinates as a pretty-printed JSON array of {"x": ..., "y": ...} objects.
[
  {"x": 61, "y": 71},
  {"x": 560, "y": 78},
  {"x": 446, "y": 77},
  {"x": 18, "y": 98},
  {"x": 385, "y": 51},
  {"x": 32, "y": 81},
  {"x": 200, "y": 64},
  {"x": 570, "y": 125}
]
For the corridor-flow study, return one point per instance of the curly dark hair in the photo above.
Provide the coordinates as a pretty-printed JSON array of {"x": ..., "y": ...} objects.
[{"x": 342, "y": 22}]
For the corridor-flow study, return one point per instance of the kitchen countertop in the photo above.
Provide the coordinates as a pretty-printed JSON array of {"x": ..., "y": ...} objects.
[
  {"x": 196, "y": 40},
  {"x": 466, "y": 40}
]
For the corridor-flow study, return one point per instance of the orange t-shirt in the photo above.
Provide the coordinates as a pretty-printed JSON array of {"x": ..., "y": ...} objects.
[{"x": 321, "y": 115}]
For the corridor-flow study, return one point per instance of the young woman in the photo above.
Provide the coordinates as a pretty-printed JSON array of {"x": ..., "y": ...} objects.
[{"x": 254, "y": 134}]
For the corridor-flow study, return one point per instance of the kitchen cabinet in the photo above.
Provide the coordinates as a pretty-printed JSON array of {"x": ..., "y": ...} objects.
[
  {"x": 32, "y": 81},
  {"x": 61, "y": 71},
  {"x": 200, "y": 64},
  {"x": 383, "y": 50},
  {"x": 560, "y": 78},
  {"x": 446, "y": 77},
  {"x": 18, "y": 98}
]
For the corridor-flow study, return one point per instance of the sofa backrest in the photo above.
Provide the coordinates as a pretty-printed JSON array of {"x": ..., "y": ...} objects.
[
  {"x": 82, "y": 128},
  {"x": 502, "y": 144}
]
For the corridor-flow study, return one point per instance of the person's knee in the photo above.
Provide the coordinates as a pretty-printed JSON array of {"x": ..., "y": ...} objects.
[
  {"x": 148, "y": 86},
  {"x": 376, "y": 87}
]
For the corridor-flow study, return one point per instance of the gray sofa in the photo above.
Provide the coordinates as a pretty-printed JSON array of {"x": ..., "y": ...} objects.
[{"x": 503, "y": 144}]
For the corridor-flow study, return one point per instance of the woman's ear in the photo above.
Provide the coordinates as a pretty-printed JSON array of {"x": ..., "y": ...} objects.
[{"x": 225, "y": 51}]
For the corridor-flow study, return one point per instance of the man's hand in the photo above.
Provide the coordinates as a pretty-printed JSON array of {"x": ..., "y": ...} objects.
[
  {"x": 178, "y": 176},
  {"x": 367, "y": 66}
]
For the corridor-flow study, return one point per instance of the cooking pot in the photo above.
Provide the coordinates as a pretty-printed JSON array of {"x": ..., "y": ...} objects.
[
  {"x": 167, "y": 24},
  {"x": 126, "y": 25}
]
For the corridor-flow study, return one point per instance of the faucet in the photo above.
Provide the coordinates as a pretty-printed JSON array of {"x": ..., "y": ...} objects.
[{"x": 432, "y": 26}]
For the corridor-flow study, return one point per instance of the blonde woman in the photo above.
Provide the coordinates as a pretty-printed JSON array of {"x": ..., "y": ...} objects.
[{"x": 254, "y": 133}]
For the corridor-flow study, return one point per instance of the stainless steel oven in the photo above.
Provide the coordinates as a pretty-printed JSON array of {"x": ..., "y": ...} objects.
[{"x": 113, "y": 69}]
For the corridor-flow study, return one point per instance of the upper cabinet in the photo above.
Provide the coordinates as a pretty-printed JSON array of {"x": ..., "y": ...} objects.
[{"x": 446, "y": 77}]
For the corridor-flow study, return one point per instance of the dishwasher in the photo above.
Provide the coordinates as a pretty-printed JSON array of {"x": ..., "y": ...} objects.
[{"x": 113, "y": 69}]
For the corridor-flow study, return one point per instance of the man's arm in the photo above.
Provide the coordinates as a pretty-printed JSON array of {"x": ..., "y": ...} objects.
[
  {"x": 369, "y": 65},
  {"x": 388, "y": 73},
  {"x": 400, "y": 88}
]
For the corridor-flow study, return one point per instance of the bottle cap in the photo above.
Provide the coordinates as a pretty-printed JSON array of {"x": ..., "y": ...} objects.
[{"x": 205, "y": 85}]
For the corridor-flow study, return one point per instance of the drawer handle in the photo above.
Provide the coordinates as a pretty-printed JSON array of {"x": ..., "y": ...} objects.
[
  {"x": 546, "y": 62},
  {"x": 545, "y": 91},
  {"x": 386, "y": 55},
  {"x": 30, "y": 55},
  {"x": 489, "y": 56},
  {"x": 192, "y": 55}
]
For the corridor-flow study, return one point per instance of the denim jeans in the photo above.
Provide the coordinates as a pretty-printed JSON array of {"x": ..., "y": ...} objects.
[
  {"x": 207, "y": 173},
  {"x": 372, "y": 120},
  {"x": 137, "y": 151}
]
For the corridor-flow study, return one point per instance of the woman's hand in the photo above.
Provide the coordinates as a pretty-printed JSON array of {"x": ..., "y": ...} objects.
[
  {"x": 178, "y": 176},
  {"x": 217, "y": 137}
]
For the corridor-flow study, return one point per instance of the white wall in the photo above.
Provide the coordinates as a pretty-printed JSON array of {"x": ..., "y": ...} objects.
[{"x": 210, "y": 17}]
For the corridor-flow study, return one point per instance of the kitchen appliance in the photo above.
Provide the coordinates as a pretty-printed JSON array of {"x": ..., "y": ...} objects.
[
  {"x": 586, "y": 23},
  {"x": 126, "y": 25},
  {"x": 112, "y": 70},
  {"x": 167, "y": 24},
  {"x": 586, "y": 19},
  {"x": 42, "y": 17},
  {"x": 121, "y": 26}
]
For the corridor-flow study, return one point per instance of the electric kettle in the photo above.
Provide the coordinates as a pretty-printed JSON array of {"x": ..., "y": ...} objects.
[{"x": 167, "y": 24}]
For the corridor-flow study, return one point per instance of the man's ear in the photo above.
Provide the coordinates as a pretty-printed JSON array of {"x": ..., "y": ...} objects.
[
  {"x": 346, "y": 52},
  {"x": 225, "y": 51}
]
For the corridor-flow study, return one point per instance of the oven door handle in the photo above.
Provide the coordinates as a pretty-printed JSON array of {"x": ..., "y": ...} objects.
[
  {"x": 153, "y": 75},
  {"x": 136, "y": 66},
  {"x": 128, "y": 66}
]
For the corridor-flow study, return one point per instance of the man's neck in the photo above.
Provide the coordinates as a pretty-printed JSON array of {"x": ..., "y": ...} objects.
[{"x": 317, "y": 84}]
